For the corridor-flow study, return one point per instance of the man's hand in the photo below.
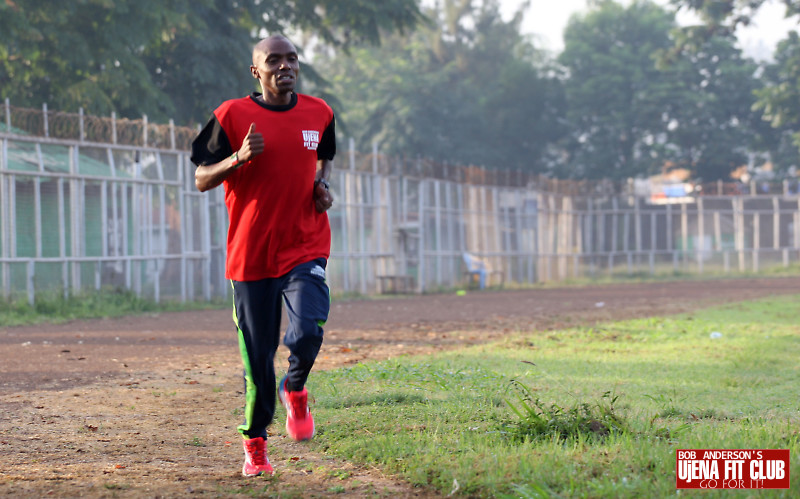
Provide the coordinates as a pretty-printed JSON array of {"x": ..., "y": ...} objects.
[
  {"x": 252, "y": 145},
  {"x": 323, "y": 199},
  {"x": 210, "y": 176}
]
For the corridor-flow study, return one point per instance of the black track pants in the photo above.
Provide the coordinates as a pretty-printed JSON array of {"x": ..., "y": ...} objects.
[{"x": 257, "y": 315}]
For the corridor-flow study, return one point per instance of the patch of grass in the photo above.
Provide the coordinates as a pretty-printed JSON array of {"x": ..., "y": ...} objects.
[
  {"x": 253, "y": 490},
  {"x": 196, "y": 442},
  {"x": 157, "y": 393},
  {"x": 340, "y": 474},
  {"x": 592, "y": 412},
  {"x": 373, "y": 399},
  {"x": 116, "y": 486},
  {"x": 54, "y": 307},
  {"x": 538, "y": 421}
]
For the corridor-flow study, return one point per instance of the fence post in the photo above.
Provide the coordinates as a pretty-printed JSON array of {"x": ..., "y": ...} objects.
[
  {"x": 738, "y": 228},
  {"x": 352, "y": 145},
  {"x": 374, "y": 156},
  {"x": 5, "y": 207},
  {"x": 44, "y": 120},
  {"x": 144, "y": 129},
  {"x": 776, "y": 223},
  {"x": 113, "y": 127},
  {"x": 62, "y": 237},
  {"x": 421, "y": 249},
  {"x": 701, "y": 229},
  {"x": 172, "y": 134},
  {"x": 82, "y": 134},
  {"x": 29, "y": 283},
  {"x": 8, "y": 115},
  {"x": 756, "y": 239}
]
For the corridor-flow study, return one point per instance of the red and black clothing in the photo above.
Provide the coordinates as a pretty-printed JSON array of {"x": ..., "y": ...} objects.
[
  {"x": 273, "y": 223},
  {"x": 278, "y": 245}
]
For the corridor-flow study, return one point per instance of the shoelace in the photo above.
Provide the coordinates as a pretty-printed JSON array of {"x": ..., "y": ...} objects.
[
  {"x": 257, "y": 455},
  {"x": 299, "y": 404}
]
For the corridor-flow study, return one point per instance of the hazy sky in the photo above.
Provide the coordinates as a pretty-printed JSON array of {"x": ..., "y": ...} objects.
[{"x": 547, "y": 19}]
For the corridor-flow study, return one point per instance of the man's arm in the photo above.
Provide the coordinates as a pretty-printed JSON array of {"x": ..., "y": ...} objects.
[
  {"x": 206, "y": 177},
  {"x": 323, "y": 199}
]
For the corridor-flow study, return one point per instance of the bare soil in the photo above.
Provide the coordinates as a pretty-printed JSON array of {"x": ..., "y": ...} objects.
[{"x": 147, "y": 406}]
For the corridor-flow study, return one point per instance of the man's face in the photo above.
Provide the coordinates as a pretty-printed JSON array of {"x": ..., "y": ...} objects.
[{"x": 276, "y": 66}]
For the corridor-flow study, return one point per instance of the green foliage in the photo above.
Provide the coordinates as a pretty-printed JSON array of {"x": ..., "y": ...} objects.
[
  {"x": 585, "y": 421},
  {"x": 630, "y": 95},
  {"x": 196, "y": 442},
  {"x": 176, "y": 60},
  {"x": 779, "y": 98},
  {"x": 85, "y": 53},
  {"x": 615, "y": 93},
  {"x": 724, "y": 16},
  {"x": 55, "y": 307},
  {"x": 630, "y": 115},
  {"x": 712, "y": 125},
  {"x": 466, "y": 88}
]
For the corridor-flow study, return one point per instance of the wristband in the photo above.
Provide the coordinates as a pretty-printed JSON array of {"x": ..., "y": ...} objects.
[
  {"x": 235, "y": 158},
  {"x": 324, "y": 183}
]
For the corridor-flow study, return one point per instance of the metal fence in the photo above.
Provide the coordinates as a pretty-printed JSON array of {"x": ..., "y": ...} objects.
[{"x": 77, "y": 214}]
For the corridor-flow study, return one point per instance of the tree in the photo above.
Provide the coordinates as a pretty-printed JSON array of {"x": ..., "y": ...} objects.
[
  {"x": 615, "y": 93},
  {"x": 175, "y": 59},
  {"x": 84, "y": 53},
  {"x": 722, "y": 17},
  {"x": 466, "y": 88},
  {"x": 718, "y": 18},
  {"x": 713, "y": 126},
  {"x": 632, "y": 116},
  {"x": 779, "y": 100},
  {"x": 201, "y": 66}
]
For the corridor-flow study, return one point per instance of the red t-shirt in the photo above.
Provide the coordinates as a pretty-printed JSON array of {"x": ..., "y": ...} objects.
[{"x": 274, "y": 225}]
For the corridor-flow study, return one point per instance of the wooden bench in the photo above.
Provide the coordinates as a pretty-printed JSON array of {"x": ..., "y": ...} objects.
[{"x": 396, "y": 284}]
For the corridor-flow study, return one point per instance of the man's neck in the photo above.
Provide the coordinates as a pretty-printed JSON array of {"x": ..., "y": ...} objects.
[{"x": 276, "y": 99}]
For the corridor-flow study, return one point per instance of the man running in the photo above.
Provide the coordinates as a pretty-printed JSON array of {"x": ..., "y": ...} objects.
[{"x": 273, "y": 152}]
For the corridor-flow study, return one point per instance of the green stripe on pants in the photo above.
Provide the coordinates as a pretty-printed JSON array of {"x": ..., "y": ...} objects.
[{"x": 250, "y": 389}]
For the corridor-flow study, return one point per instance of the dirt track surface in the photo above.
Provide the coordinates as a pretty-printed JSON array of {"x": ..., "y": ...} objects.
[{"x": 146, "y": 406}]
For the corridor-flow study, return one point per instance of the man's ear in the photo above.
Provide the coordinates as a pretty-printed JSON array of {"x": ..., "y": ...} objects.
[{"x": 254, "y": 72}]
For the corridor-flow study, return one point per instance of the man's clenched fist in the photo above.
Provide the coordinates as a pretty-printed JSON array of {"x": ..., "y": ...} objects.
[{"x": 323, "y": 199}]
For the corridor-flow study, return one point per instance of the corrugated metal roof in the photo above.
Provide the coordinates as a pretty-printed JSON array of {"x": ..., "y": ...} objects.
[{"x": 23, "y": 156}]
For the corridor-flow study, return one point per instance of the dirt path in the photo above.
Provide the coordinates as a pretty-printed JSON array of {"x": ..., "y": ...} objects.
[{"x": 147, "y": 406}]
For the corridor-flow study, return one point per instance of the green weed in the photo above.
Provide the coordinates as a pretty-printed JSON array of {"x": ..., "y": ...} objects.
[
  {"x": 196, "y": 442},
  {"x": 116, "y": 486},
  {"x": 539, "y": 421}
]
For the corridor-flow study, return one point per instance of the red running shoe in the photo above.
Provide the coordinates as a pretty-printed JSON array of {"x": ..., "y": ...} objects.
[
  {"x": 299, "y": 423},
  {"x": 256, "y": 461}
]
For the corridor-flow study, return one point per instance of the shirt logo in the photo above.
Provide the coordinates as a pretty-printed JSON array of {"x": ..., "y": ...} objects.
[
  {"x": 318, "y": 271},
  {"x": 310, "y": 139}
]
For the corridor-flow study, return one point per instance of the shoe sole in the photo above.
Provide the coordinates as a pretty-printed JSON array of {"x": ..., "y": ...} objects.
[{"x": 268, "y": 473}]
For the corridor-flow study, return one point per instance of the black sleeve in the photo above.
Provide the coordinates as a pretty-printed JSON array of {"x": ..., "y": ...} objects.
[
  {"x": 327, "y": 145},
  {"x": 211, "y": 145}
]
